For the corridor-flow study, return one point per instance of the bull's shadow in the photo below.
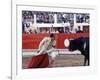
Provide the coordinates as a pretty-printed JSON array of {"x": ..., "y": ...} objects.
[{"x": 81, "y": 44}]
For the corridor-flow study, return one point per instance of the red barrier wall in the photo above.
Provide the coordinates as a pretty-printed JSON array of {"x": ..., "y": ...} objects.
[{"x": 31, "y": 41}]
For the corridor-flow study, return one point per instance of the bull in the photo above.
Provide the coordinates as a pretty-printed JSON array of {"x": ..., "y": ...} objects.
[{"x": 81, "y": 44}]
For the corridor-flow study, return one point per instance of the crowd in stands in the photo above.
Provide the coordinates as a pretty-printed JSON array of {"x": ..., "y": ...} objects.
[
  {"x": 27, "y": 15},
  {"x": 81, "y": 18},
  {"x": 44, "y": 17},
  {"x": 65, "y": 17},
  {"x": 37, "y": 30},
  {"x": 48, "y": 17}
]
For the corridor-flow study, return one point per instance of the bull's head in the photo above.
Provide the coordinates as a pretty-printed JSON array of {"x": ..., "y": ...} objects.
[
  {"x": 76, "y": 44},
  {"x": 72, "y": 45}
]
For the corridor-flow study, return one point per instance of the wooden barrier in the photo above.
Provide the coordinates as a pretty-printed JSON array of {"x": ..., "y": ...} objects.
[{"x": 31, "y": 41}]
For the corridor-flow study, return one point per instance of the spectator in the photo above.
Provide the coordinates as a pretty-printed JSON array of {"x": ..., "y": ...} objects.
[
  {"x": 56, "y": 30},
  {"x": 79, "y": 30},
  {"x": 52, "y": 30},
  {"x": 61, "y": 30},
  {"x": 48, "y": 30},
  {"x": 67, "y": 30},
  {"x": 34, "y": 29}
]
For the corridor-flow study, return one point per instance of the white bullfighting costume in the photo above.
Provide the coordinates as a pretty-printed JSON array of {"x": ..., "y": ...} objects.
[{"x": 41, "y": 59}]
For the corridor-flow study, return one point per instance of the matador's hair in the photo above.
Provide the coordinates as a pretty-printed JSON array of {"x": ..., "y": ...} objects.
[{"x": 51, "y": 35}]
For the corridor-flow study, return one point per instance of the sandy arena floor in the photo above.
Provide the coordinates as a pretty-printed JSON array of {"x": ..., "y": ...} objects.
[{"x": 68, "y": 60}]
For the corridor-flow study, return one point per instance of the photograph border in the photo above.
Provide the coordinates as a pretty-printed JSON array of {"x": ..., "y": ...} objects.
[{"x": 16, "y": 72}]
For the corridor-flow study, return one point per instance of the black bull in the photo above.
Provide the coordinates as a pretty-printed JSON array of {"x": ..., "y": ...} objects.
[{"x": 81, "y": 44}]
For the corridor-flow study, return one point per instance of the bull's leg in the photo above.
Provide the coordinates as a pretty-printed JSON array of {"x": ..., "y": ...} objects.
[
  {"x": 85, "y": 59},
  {"x": 88, "y": 62}
]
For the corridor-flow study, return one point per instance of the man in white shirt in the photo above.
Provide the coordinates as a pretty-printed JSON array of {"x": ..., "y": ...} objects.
[
  {"x": 47, "y": 46},
  {"x": 45, "y": 56}
]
